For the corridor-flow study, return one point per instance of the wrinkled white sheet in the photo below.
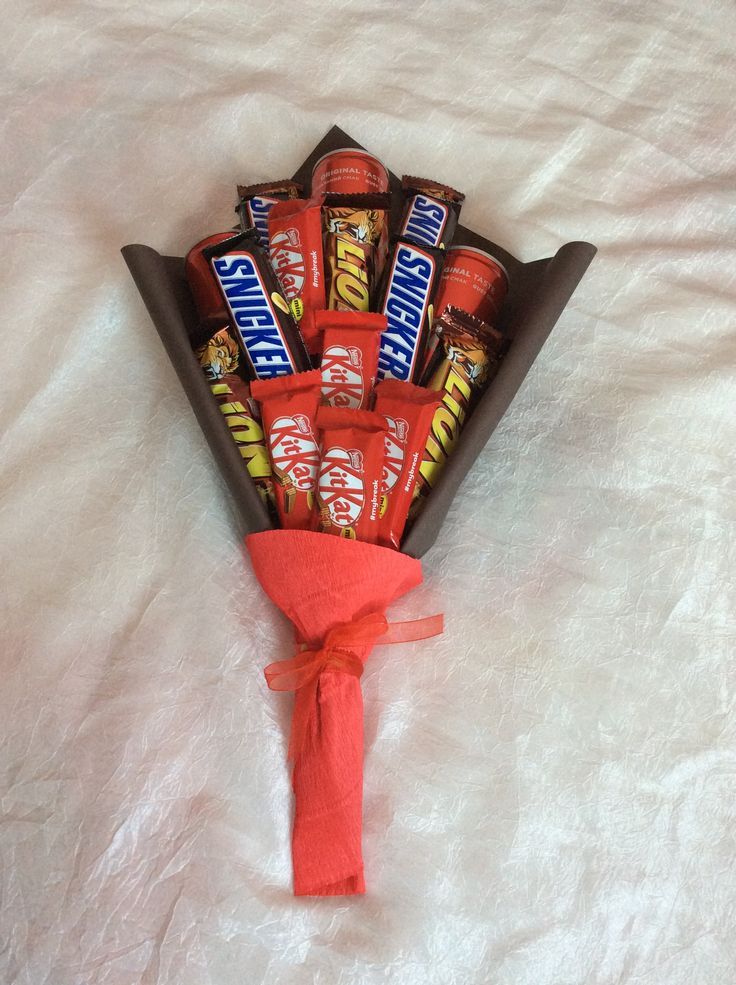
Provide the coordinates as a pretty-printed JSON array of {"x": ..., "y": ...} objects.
[{"x": 549, "y": 788}]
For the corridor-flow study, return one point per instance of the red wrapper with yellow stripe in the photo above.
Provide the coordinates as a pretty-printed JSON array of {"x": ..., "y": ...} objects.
[{"x": 289, "y": 408}]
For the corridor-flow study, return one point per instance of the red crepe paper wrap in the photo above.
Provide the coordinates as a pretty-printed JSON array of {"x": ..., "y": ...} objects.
[
  {"x": 289, "y": 408},
  {"x": 349, "y": 481},
  {"x": 295, "y": 250},
  {"x": 335, "y": 592},
  {"x": 349, "y": 356}
]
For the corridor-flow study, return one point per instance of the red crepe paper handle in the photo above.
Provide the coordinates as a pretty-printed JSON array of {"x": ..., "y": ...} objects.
[
  {"x": 338, "y": 653},
  {"x": 326, "y": 586}
]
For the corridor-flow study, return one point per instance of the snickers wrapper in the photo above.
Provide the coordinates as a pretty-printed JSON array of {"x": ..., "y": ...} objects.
[
  {"x": 259, "y": 315},
  {"x": 405, "y": 298},
  {"x": 431, "y": 212}
]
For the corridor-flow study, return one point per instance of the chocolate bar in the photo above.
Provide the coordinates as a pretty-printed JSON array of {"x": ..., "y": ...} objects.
[
  {"x": 295, "y": 250},
  {"x": 219, "y": 358},
  {"x": 256, "y": 201},
  {"x": 257, "y": 311},
  {"x": 431, "y": 212},
  {"x": 350, "y": 356},
  {"x": 409, "y": 411},
  {"x": 289, "y": 408},
  {"x": 353, "y": 227},
  {"x": 349, "y": 482},
  {"x": 463, "y": 365},
  {"x": 405, "y": 298}
]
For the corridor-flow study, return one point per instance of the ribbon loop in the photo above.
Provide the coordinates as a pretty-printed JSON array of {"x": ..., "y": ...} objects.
[{"x": 301, "y": 672}]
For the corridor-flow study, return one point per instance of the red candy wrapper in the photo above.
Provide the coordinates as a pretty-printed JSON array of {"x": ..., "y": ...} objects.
[
  {"x": 208, "y": 299},
  {"x": 349, "y": 483},
  {"x": 289, "y": 407},
  {"x": 408, "y": 410},
  {"x": 295, "y": 249},
  {"x": 349, "y": 356}
]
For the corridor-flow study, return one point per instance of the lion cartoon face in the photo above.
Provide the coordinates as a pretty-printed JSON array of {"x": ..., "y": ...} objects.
[
  {"x": 219, "y": 356},
  {"x": 475, "y": 371},
  {"x": 363, "y": 225}
]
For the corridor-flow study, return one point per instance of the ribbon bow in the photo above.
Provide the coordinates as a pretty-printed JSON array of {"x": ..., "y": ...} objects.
[{"x": 338, "y": 652}]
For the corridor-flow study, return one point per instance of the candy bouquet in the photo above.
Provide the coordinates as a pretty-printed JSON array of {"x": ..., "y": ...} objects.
[{"x": 346, "y": 333}]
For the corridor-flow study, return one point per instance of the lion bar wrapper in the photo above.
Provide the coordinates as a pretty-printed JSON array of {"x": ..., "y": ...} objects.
[
  {"x": 258, "y": 313},
  {"x": 431, "y": 212},
  {"x": 350, "y": 473},
  {"x": 295, "y": 251},
  {"x": 219, "y": 357},
  {"x": 408, "y": 410},
  {"x": 256, "y": 201},
  {"x": 353, "y": 229},
  {"x": 349, "y": 356},
  {"x": 465, "y": 361},
  {"x": 289, "y": 408}
]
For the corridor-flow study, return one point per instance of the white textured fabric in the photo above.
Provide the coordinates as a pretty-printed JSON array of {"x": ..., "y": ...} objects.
[{"x": 550, "y": 787}]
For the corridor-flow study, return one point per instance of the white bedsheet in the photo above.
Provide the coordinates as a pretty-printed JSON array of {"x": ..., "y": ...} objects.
[{"x": 550, "y": 787}]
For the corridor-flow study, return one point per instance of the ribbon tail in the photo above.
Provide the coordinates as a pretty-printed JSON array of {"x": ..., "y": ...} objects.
[{"x": 413, "y": 630}]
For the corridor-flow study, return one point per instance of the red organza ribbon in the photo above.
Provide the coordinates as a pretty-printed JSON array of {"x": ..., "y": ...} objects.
[{"x": 338, "y": 653}]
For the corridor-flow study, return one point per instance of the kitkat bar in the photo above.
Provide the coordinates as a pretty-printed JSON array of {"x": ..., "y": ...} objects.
[
  {"x": 256, "y": 201},
  {"x": 349, "y": 171},
  {"x": 431, "y": 212},
  {"x": 257, "y": 311},
  {"x": 289, "y": 408},
  {"x": 349, "y": 356},
  {"x": 295, "y": 250},
  {"x": 464, "y": 363},
  {"x": 354, "y": 226},
  {"x": 405, "y": 298},
  {"x": 350, "y": 473},
  {"x": 408, "y": 410},
  {"x": 219, "y": 358}
]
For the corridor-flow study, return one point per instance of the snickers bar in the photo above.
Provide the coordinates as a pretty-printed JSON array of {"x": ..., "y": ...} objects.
[
  {"x": 409, "y": 285},
  {"x": 431, "y": 212},
  {"x": 257, "y": 311}
]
